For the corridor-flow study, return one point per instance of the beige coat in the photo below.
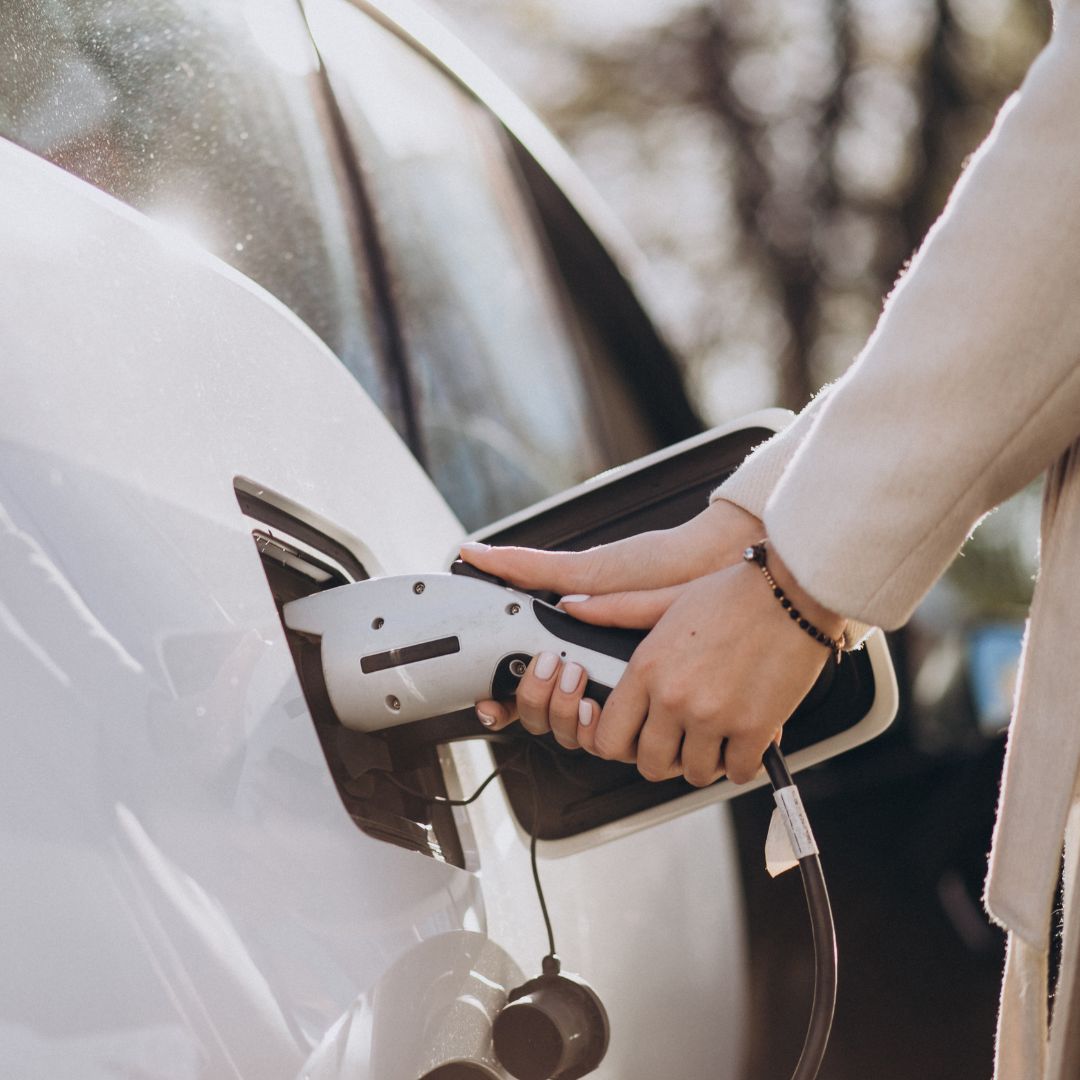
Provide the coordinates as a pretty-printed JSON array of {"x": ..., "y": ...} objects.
[{"x": 967, "y": 390}]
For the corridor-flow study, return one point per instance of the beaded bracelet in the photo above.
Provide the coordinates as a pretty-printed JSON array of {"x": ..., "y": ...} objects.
[{"x": 756, "y": 554}]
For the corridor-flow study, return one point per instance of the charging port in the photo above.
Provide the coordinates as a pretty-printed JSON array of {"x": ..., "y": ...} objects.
[{"x": 299, "y": 557}]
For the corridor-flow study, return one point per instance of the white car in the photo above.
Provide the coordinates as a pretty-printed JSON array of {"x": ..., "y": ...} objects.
[{"x": 292, "y": 296}]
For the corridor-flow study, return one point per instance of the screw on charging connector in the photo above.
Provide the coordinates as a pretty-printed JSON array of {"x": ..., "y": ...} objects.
[
  {"x": 418, "y": 588},
  {"x": 512, "y": 609},
  {"x": 518, "y": 668},
  {"x": 393, "y": 703}
]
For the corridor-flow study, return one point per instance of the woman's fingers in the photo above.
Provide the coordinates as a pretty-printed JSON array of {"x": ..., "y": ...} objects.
[
  {"x": 713, "y": 539},
  {"x": 704, "y": 757},
  {"x": 588, "y": 711},
  {"x": 494, "y": 715},
  {"x": 634, "y": 610},
  {"x": 629, "y": 583},
  {"x": 659, "y": 750},
  {"x": 549, "y": 698},
  {"x": 614, "y": 735},
  {"x": 535, "y": 691},
  {"x": 742, "y": 758},
  {"x": 563, "y": 708},
  {"x": 601, "y": 569}
]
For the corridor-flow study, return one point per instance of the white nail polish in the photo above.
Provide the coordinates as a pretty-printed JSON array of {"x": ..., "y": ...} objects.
[
  {"x": 584, "y": 712},
  {"x": 475, "y": 546},
  {"x": 571, "y": 675},
  {"x": 575, "y": 598},
  {"x": 546, "y": 663},
  {"x": 486, "y": 720}
]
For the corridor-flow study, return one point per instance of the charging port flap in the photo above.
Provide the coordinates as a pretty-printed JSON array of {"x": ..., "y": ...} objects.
[{"x": 584, "y": 800}]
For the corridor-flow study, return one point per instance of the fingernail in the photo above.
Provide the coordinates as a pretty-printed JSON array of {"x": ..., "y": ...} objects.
[
  {"x": 485, "y": 719},
  {"x": 571, "y": 676},
  {"x": 475, "y": 546},
  {"x": 576, "y": 598},
  {"x": 584, "y": 712},
  {"x": 546, "y": 663}
]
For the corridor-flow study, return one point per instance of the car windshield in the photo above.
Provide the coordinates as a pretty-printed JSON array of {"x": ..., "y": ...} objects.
[{"x": 208, "y": 116}]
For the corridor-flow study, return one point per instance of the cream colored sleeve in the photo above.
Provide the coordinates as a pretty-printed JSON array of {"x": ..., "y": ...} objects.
[
  {"x": 754, "y": 481},
  {"x": 751, "y": 485},
  {"x": 969, "y": 386}
]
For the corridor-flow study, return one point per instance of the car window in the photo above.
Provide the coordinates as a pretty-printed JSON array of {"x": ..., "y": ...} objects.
[
  {"x": 501, "y": 399},
  {"x": 206, "y": 115}
]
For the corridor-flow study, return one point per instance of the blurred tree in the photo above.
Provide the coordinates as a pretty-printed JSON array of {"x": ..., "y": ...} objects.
[{"x": 778, "y": 160}]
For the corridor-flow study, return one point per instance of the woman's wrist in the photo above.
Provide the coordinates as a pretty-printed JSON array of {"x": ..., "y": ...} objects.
[
  {"x": 731, "y": 528},
  {"x": 821, "y": 618}
]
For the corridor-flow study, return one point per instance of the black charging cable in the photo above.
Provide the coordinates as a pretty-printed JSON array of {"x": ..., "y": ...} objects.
[
  {"x": 551, "y": 965},
  {"x": 821, "y": 919},
  {"x": 445, "y": 800}
]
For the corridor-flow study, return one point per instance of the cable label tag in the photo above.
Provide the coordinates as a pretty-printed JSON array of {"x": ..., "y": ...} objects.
[
  {"x": 789, "y": 803},
  {"x": 779, "y": 858}
]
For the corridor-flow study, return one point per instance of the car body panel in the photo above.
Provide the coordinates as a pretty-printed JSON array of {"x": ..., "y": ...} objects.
[
  {"x": 186, "y": 896},
  {"x": 178, "y": 843}
]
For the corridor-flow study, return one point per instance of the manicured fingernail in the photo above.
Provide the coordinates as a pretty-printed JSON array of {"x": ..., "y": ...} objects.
[
  {"x": 575, "y": 598},
  {"x": 475, "y": 546},
  {"x": 584, "y": 712},
  {"x": 546, "y": 663},
  {"x": 485, "y": 719},
  {"x": 571, "y": 676}
]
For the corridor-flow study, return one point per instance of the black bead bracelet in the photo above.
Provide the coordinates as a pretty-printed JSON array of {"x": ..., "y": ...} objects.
[{"x": 756, "y": 554}]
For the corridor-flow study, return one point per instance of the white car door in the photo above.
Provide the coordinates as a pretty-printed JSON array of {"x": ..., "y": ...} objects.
[{"x": 186, "y": 894}]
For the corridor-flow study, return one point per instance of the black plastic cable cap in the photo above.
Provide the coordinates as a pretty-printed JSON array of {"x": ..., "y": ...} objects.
[{"x": 552, "y": 1028}]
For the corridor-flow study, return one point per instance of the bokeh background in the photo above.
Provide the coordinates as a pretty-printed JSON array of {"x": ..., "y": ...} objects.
[{"x": 778, "y": 161}]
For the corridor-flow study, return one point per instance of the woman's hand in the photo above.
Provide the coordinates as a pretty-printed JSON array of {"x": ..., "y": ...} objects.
[
  {"x": 713, "y": 539},
  {"x": 714, "y": 681},
  {"x": 721, "y": 670}
]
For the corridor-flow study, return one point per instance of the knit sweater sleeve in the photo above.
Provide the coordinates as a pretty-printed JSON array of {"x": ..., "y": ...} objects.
[{"x": 970, "y": 384}]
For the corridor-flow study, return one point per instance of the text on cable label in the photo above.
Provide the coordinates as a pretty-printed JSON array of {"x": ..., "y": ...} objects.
[{"x": 790, "y": 805}]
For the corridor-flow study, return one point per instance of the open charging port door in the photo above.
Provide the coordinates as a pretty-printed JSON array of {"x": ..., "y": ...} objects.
[{"x": 584, "y": 800}]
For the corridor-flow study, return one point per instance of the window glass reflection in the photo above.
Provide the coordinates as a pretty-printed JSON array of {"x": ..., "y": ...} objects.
[
  {"x": 501, "y": 400},
  {"x": 204, "y": 114}
]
